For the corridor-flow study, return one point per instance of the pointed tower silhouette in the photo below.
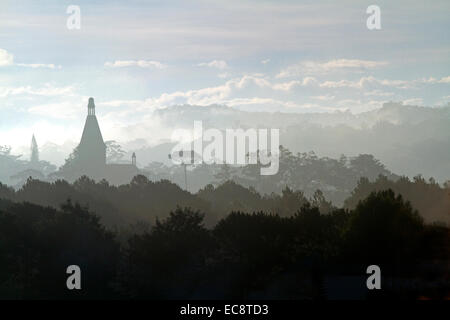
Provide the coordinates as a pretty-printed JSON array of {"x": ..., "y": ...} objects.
[
  {"x": 90, "y": 156},
  {"x": 34, "y": 158},
  {"x": 92, "y": 148},
  {"x": 133, "y": 159}
]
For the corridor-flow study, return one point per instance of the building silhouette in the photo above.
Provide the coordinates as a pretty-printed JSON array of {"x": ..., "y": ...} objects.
[
  {"x": 89, "y": 158},
  {"x": 92, "y": 148}
]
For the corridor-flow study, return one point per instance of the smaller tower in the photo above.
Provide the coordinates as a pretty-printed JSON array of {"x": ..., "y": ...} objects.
[
  {"x": 91, "y": 107},
  {"x": 34, "y": 158},
  {"x": 133, "y": 159}
]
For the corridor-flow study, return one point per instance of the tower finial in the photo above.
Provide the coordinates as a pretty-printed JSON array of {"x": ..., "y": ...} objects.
[{"x": 91, "y": 107}]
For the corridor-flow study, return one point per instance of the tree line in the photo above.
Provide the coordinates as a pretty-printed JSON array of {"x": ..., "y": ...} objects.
[{"x": 244, "y": 256}]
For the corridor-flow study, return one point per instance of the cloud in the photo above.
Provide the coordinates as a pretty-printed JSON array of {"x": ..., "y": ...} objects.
[
  {"x": 312, "y": 67},
  {"x": 262, "y": 81},
  {"x": 434, "y": 80},
  {"x": 265, "y": 61},
  {"x": 413, "y": 102},
  {"x": 269, "y": 103},
  {"x": 378, "y": 93},
  {"x": 324, "y": 97},
  {"x": 220, "y": 94},
  {"x": 225, "y": 94},
  {"x": 135, "y": 63},
  {"x": 218, "y": 64},
  {"x": 38, "y": 65},
  {"x": 230, "y": 93},
  {"x": 367, "y": 81},
  {"x": 286, "y": 86},
  {"x": 248, "y": 92},
  {"x": 47, "y": 90},
  {"x": 348, "y": 63},
  {"x": 7, "y": 59}
]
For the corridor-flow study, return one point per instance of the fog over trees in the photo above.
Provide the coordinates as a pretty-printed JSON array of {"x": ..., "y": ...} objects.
[
  {"x": 407, "y": 140},
  {"x": 323, "y": 217}
]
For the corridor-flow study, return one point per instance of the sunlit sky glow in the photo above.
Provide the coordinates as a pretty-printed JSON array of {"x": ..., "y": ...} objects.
[{"x": 138, "y": 56}]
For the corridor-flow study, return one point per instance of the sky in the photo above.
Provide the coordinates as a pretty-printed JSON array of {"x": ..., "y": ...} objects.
[{"x": 135, "y": 57}]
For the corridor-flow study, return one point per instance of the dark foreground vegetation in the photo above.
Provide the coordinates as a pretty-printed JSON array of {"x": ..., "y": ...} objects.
[
  {"x": 144, "y": 200},
  {"x": 308, "y": 250}
]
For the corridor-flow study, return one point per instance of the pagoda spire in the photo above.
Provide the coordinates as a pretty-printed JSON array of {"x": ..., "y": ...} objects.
[{"x": 91, "y": 107}]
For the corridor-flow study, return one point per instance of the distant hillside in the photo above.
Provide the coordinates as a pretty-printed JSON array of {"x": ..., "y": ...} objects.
[{"x": 409, "y": 140}]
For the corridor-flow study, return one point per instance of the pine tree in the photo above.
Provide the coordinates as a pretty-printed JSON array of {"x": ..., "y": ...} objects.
[{"x": 34, "y": 151}]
